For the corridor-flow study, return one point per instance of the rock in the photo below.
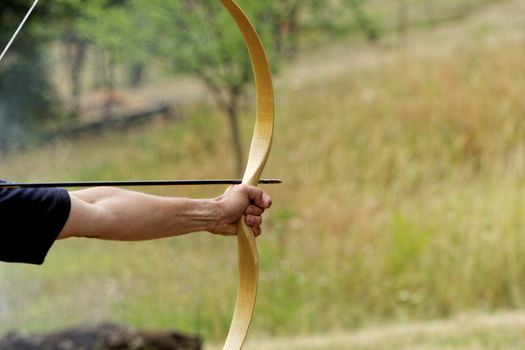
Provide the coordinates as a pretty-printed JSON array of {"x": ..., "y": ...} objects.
[{"x": 101, "y": 337}]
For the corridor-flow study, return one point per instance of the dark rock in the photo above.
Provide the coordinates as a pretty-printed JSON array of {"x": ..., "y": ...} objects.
[{"x": 100, "y": 337}]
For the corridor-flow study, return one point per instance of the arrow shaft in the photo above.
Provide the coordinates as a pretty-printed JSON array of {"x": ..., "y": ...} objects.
[{"x": 14, "y": 185}]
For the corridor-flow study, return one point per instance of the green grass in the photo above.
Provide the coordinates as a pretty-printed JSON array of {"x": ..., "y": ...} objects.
[{"x": 404, "y": 199}]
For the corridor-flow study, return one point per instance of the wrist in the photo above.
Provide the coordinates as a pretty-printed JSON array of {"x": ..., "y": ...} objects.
[
  {"x": 215, "y": 214},
  {"x": 194, "y": 215},
  {"x": 208, "y": 214}
]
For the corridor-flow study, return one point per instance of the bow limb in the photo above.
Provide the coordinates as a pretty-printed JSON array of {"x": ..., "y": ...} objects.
[{"x": 259, "y": 152}]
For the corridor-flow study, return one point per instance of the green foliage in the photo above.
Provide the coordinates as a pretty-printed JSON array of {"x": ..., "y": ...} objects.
[{"x": 117, "y": 27}]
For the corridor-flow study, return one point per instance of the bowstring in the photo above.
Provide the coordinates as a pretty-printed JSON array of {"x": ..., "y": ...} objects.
[{"x": 18, "y": 30}]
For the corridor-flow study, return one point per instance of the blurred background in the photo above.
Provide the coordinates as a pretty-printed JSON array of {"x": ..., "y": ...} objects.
[{"x": 399, "y": 137}]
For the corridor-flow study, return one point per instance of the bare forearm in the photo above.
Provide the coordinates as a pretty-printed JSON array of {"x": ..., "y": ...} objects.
[{"x": 116, "y": 214}]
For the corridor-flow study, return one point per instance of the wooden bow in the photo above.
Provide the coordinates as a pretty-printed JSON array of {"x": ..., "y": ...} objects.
[{"x": 259, "y": 152}]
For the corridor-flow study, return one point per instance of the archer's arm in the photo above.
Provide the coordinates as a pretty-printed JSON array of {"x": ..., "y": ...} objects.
[{"x": 116, "y": 214}]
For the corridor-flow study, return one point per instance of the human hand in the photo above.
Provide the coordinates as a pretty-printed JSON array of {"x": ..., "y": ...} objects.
[{"x": 237, "y": 201}]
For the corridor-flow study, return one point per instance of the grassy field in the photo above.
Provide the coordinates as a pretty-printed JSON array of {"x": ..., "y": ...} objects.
[{"x": 404, "y": 200}]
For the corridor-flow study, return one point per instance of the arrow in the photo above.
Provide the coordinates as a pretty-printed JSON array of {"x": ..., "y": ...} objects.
[{"x": 14, "y": 185}]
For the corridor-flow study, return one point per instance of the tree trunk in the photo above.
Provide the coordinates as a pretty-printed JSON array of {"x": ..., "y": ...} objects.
[
  {"x": 77, "y": 54},
  {"x": 294, "y": 32},
  {"x": 136, "y": 75},
  {"x": 431, "y": 12},
  {"x": 402, "y": 20},
  {"x": 232, "y": 111},
  {"x": 99, "y": 75},
  {"x": 110, "y": 83},
  {"x": 364, "y": 21}
]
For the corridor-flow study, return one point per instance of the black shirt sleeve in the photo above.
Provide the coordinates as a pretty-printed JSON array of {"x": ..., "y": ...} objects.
[{"x": 30, "y": 222}]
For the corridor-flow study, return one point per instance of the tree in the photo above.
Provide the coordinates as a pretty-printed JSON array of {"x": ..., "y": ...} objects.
[
  {"x": 115, "y": 28},
  {"x": 65, "y": 15},
  {"x": 199, "y": 38},
  {"x": 402, "y": 19},
  {"x": 363, "y": 20}
]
